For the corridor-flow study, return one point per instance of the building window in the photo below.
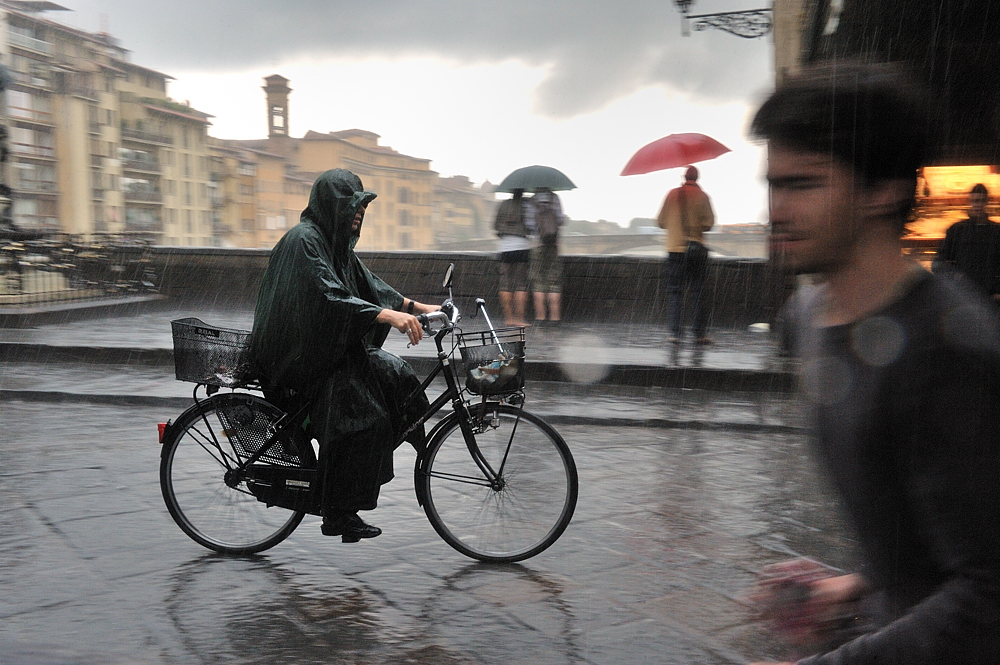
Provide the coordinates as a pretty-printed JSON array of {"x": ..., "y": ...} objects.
[
  {"x": 404, "y": 195},
  {"x": 247, "y": 168}
]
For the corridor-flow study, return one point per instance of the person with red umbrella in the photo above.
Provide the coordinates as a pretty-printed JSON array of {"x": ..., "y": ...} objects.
[{"x": 685, "y": 216}]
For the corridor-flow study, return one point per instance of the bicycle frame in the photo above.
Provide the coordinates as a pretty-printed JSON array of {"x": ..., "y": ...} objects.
[{"x": 453, "y": 393}]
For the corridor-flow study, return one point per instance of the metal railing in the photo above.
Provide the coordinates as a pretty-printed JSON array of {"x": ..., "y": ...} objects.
[
  {"x": 146, "y": 137},
  {"x": 147, "y": 166},
  {"x": 33, "y": 150},
  {"x": 25, "y": 186},
  {"x": 143, "y": 196},
  {"x": 34, "y": 115},
  {"x": 44, "y": 269},
  {"x": 32, "y": 80},
  {"x": 30, "y": 42}
]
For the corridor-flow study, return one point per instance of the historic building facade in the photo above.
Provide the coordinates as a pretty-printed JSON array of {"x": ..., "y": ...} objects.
[{"x": 97, "y": 146}]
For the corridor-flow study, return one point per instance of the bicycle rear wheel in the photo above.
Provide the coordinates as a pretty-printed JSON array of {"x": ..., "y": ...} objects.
[
  {"x": 208, "y": 440},
  {"x": 519, "y": 515}
]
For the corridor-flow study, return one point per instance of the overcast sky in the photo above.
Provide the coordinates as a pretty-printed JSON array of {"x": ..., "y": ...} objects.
[{"x": 479, "y": 88}]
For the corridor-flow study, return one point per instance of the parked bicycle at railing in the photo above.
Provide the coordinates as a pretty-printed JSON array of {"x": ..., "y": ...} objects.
[{"x": 238, "y": 474}]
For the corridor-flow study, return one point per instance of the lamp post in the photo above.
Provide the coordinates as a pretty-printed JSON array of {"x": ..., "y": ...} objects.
[
  {"x": 684, "y": 7},
  {"x": 749, "y": 23}
]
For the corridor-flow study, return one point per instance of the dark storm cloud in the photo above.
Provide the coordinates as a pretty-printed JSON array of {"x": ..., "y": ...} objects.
[{"x": 596, "y": 51}]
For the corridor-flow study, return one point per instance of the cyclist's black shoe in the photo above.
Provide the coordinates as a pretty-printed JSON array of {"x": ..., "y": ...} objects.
[{"x": 350, "y": 527}]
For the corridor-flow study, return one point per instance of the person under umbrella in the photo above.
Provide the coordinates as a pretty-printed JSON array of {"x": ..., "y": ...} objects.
[
  {"x": 515, "y": 252},
  {"x": 685, "y": 216}
]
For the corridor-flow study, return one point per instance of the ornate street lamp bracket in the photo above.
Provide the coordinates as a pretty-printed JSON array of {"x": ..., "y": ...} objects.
[{"x": 749, "y": 24}]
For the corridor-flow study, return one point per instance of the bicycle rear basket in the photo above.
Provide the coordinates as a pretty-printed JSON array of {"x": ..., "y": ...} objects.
[
  {"x": 211, "y": 355},
  {"x": 494, "y": 362}
]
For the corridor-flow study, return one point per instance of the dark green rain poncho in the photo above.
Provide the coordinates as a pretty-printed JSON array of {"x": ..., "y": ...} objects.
[{"x": 315, "y": 333}]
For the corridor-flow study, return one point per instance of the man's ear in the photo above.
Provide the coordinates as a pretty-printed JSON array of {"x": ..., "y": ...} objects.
[{"x": 885, "y": 198}]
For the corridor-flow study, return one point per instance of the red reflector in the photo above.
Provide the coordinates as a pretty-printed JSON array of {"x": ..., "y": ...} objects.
[{"x": 161, "y": 427}]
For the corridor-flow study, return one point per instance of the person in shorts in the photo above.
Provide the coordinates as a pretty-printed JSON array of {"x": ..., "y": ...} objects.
[
  {"x": 546, "y": 269},
  {"x": 515, "y": 253}
]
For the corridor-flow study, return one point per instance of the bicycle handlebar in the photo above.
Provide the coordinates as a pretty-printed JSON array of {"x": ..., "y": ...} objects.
[{"x": 441, "y": 315}]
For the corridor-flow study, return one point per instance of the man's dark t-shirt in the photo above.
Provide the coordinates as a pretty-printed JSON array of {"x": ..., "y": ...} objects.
[
  {"x": 972, "y": 247},
  {"x": 907, "y": 413}
]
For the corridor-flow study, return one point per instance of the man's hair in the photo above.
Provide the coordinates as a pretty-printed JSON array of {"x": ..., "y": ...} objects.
[
  {"x": 871, "y": 118},
  {"x": 979, "y": 188},
  {"x": 691, "y": 173}
]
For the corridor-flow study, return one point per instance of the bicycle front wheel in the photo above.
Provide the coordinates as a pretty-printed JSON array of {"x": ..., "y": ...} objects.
[
  {"x": 517, "y": 515},
  {"x": 210, "y": 439}
]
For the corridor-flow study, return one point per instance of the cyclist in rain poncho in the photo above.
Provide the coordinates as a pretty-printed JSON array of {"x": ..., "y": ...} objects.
[{"x": 319, "y": 325}]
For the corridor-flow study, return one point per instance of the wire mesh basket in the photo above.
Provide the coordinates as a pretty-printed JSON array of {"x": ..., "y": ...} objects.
[
  {"x": 494, "y": 361},
  {"x": 210, "y": 355}
]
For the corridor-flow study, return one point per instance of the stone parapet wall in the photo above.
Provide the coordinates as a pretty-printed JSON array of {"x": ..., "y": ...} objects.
[{"x": 595, "y": 288}]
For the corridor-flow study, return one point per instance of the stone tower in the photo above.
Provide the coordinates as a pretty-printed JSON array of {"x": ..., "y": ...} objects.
[{"x": 277, "y": 105}]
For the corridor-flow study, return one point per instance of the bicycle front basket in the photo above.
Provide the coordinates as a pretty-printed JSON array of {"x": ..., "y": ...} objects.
[
  {"x": 211, "y": 355},
  {"x": 494, "y": 363}
]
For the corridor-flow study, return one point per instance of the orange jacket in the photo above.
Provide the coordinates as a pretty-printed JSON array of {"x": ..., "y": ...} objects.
[{"x": 698, "y": 213}]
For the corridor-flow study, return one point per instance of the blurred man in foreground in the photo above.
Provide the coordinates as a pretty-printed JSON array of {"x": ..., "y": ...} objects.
[{"x": 902, "y": 372}]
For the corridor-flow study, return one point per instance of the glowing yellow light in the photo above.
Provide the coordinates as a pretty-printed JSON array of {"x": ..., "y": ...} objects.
[{"x": 943, "y": 197}]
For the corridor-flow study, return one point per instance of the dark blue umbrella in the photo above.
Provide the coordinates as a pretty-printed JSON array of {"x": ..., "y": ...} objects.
[{"x": 534, "y": 178}]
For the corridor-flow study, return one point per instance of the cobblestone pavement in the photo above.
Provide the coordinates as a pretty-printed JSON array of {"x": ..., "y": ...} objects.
[
  {"x": 670, "y": 527},
  {"x": 683, "y": 495}
]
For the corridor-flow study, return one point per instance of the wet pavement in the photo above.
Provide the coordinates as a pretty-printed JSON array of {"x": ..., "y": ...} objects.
[
  {"x": 631, "y": 354},
  {"x": 670, "y": 526},
  {"x": 569, "y": 343},
  {"x": 684, "y": 493}
]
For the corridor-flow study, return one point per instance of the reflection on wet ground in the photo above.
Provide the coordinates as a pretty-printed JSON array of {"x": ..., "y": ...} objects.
[{"x": 671, "y": 525}]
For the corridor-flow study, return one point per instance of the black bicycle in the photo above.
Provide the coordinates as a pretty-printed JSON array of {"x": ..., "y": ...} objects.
[{"x": 238, "y": 474}]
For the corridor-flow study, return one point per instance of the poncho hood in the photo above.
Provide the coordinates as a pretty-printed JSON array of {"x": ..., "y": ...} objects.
[{"x": 334, "y": 200}]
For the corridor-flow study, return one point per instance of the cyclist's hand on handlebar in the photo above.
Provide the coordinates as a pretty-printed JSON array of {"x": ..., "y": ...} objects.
[
  {"x": 424, "y": 308},
  {"x": 403, "y": 322}
]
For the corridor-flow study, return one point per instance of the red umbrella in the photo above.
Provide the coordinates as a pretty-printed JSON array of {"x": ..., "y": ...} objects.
[{"x": 673, "y": 151}]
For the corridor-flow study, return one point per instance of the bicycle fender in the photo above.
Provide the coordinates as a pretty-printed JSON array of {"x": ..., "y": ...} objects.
[
  {"x": 169, "y": 431},
  {"x": 421, "y": 462}
]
